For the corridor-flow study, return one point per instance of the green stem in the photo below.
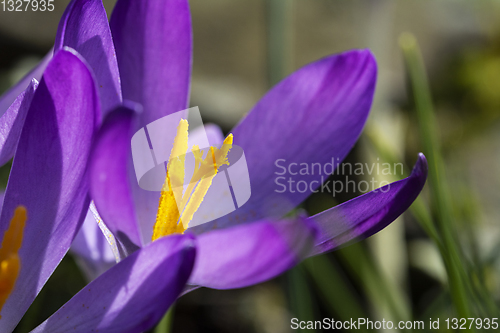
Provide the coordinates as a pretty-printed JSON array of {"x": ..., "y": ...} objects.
[
  {"x": 379, "y": 290},
  {"x": 279, "y": 39},
  {"x": 336, "y": 292},
  {"x": 439, "y": 194},
  {"x": 301, "y": 300}
]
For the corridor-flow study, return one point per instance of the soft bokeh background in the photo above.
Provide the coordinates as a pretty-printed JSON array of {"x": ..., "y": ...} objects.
[{"x": 243, "y": 47}]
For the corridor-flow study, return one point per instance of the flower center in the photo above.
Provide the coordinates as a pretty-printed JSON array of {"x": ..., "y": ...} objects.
[
  {"x": 10, "y": 263},
  {"x": 177, "y": 206}
]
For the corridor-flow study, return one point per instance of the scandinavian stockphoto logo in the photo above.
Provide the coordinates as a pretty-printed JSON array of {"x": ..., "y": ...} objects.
[
  {"x": 291, "y": 176},
  {"x": 174, "y": 155}
]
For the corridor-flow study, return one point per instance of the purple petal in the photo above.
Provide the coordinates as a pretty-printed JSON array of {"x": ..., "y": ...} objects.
[
  {"x": 133, "y": 295},
  {"x": 109, "y": 182},
  {"x": 84, "y": 27},
  {"x": 313, "y": 116},
  {"x": 249, "y": 254},
  {"x": 10, "y": 96},
  {"x": 12, "y": 121},
  {"x": 93, "y": 253},
  {"x": 49, "y": 176},
  {"x": 153, "y": 42},
  {"x": 367, "y": 214}
]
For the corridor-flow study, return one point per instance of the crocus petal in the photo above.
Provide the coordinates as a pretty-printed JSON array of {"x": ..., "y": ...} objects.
[
  {"x": 312, "y": 117},
  {"x": 93, "y": 253},
  {"x": 12, "y": 121},
  {"x": 133, "y": 295},
  {"x": 84, "y": 27},
  {"x": 10, "y": 96},
  {"x": 49, "y": 176},
  {"x": 249, "y": 254},
  {"x": 153, "y": 42},
  {"x": 367, "y": 214},
  {"x": 109, "y": 182}
]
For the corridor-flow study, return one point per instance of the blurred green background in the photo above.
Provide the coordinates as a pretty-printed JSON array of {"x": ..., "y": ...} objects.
[{"x": 438, "y": 92}]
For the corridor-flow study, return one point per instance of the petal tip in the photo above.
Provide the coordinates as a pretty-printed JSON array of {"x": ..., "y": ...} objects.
[
  {"x": 363, "y": 55},
  {"x": 70, "y": 52},
  {"x": 68, "y": 56},
  {"x": 421, "y": 167}
]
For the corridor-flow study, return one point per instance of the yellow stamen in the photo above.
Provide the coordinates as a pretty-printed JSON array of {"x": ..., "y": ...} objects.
[
  {"x": 10, "y": 263},
  {"x": 174, "y": 218}
]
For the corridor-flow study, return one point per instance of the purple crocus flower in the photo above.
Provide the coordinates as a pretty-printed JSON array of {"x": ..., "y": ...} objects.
[
  {"x": 144, "y": 55},
  {"x": 314, "y": 115}
]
